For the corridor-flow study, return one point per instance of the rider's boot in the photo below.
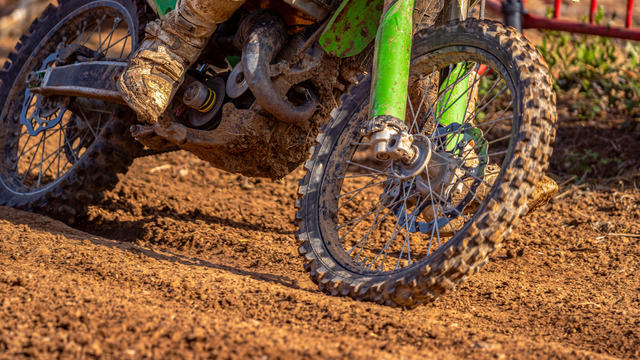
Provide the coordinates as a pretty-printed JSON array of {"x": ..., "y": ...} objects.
[
  {"x": 543, "y": 192},
  {"x": 171, "y": 45}
]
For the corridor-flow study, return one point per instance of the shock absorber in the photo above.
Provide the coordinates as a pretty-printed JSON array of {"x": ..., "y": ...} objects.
[
  {"x": 200, "y": 97},
  {"x": 512, "y": 10},
  {"x": 204, "y": 102}
]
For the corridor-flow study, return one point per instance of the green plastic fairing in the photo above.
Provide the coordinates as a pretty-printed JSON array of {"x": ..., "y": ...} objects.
[
  {"x": 352, "y": 27},
  {"x": 164, "y": 6}
]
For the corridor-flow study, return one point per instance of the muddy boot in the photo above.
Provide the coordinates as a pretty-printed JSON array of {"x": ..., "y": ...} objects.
[
  {"x": 170, "y": 47},
  {"x": 543, "y": 192}
]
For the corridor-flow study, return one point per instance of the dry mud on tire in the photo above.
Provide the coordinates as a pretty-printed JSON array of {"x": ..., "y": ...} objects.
[{"x": 184, "y": 261}]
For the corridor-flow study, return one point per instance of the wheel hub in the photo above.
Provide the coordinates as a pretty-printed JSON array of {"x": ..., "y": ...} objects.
[
  {"x": 433, "y": 171},
  {"x": 436, "y": 176},
  {"x": 422, "y": 150},
  {"x": 439, "y": 176}
]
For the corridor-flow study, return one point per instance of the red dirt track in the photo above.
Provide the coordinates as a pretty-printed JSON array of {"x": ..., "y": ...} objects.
[
  {"x": 185, "y": 261},
  {"x": 200, "y": 265}
]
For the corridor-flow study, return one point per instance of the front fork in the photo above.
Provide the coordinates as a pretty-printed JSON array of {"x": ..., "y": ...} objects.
[{"x": 389, "y": 90}]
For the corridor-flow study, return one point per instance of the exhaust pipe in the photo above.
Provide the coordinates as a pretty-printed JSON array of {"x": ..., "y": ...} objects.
[{"x": 263, "y": 35}]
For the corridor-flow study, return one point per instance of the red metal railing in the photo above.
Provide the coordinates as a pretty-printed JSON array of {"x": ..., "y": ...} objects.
[{"x": 530, "y": 21}]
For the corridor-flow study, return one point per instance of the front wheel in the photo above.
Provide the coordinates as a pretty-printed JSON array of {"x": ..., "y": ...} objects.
[{"x": 375, "y": 231}]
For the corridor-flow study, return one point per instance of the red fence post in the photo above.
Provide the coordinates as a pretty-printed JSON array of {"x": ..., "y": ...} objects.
[
  {"x": 592, "y": 11},
  {"x": 531, "y": 21}
]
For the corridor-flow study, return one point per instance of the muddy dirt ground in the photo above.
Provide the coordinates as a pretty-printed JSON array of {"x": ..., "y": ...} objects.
[{"x": 185, "y": 261}]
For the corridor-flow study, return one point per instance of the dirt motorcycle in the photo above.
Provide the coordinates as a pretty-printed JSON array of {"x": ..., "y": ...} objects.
[{"x": 422, "y": 128}]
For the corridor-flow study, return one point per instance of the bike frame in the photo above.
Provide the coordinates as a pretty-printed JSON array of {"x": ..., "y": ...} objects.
[{"x": 390, "y": 22}]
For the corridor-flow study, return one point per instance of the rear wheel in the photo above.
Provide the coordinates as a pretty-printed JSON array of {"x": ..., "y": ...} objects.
[
  {"x": 61, "y": 153},
  {"x": 398, "y": 235}
]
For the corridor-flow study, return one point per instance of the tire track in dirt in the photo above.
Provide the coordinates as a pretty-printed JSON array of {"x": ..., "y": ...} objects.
[
  {"x": 209, "y": 267},
  {"x": 75, "y": 293}
]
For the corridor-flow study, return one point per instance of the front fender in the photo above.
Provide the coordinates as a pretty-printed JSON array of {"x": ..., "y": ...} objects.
[
  {"x": 161, "y": 7},
  {"x": 352, "y": 27}
]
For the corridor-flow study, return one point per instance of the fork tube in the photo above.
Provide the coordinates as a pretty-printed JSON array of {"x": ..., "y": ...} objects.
[
  {"x": 453, "y": 105},
  {"x": 391, "y": 60},
  {"x": 512, "y": 10}
]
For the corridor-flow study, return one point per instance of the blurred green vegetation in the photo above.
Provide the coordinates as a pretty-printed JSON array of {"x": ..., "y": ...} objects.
[{"x": 603, "y": 72}]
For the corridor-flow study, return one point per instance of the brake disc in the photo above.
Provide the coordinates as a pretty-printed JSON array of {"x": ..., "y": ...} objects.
[{"x": 47, "y": 112}]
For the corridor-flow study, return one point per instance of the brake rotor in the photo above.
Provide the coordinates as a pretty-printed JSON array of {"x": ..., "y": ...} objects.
[{"x": 46, "y": 112}]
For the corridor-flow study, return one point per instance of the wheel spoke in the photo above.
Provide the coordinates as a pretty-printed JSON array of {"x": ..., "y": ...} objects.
[
  {"x": 89, "y": 36},
  {"x": 59, "y": 149},
  {"x": 362, "y": 242},
  {"x": 21, "y": 152},
  {"x": 368, "y": 185},
  {"x": 441, "y": 209},
  {"x": 109, "y": 37},
  {"x": 366, "y": 167},
  {"x": 359, "y": 220},
  {"x": 57, "y": 154},
  {"x": 358, "y": 175},
  {"x": 44, "y": 146},
  {"x": 29, "y": 149},
  {"x": 81, "y": 32},
  {"x": 370, "y": 212},
  {"x": 73, "y": 153},
  {"x": 355, "y": 193},
  {"x": 26, "y": 173},
  {"x": 95, "y": 134},
  {"x": 425, "y": 96},
  {"x": 435, "y": 214},
  {"x": 407, "y": 237},
  {"x": 124, "y": 46},
  {"x": 467, "y": 187},
  {"x": 100, "y": 32},
  {"x": 499, "y": 139},
  {"x": 49, "y": 156},
  {"x": 385, "y": 249}
]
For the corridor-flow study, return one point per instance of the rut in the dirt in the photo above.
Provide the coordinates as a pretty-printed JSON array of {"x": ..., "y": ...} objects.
[{"x": 210, "y": 268}]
